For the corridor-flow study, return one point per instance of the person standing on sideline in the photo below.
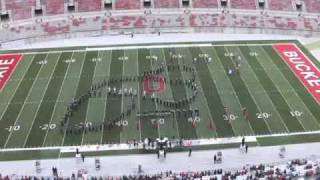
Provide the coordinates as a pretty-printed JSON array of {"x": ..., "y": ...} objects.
[
  {"x": 82, "y": 156},
  {"x": 190, "y": 151},
  {"x": 247, "y": 148}
]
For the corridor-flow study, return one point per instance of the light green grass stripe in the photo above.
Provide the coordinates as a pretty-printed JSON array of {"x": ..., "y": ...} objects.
[
  {"x": 29, "y": 111},
  {"x": 67, "y": 92},
  {"x": 203, "y": 128},
  {"x": 307, "y": 120},
  {"x": 261, "y": 98},
  {"x": 97, "y": 106},
  {"x": 227, "y": 93}
]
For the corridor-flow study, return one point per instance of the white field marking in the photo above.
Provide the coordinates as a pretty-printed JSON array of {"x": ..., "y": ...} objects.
[
  {"x": 104, "y": 147},
  {"x": 30, "y": 90},
  {"x": 44, "y": 93},
  {"x": 84, "y": 56},
  {"x": 138, "y": 93},
  {"x": 14, "y": 92},
  {"x": 307, "y": 58},
  {"x": 159, "y": 126},
  {"x": 168, "y": 80},
  {"x": 170, "y": 46},
  {"x": 55, "y": 105},
  {"x": 294, "y": 92},
  {"x": 257, "y": 105},
  {"x": 265, "y": 92},
  {"x": 254, "y": 100},
  {"x": 149, "y": 46},
  {"x": 105, "y": 104},
  {"x": 281, "y": 93},
  {"x": 183, "y": 77},
  {"x": 214, "y": 53},
  {"x": 122, "y": 97},
  {"x": 204, "y": 99},
  {"x": 92, "y": 79}
]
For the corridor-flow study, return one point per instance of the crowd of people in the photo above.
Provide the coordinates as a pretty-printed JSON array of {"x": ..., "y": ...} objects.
[{"x": 302, "y": 168}]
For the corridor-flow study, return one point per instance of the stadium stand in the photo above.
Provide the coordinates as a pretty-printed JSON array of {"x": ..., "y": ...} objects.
[
  {"x": 166, "y": 4},
  {"x": 298, "y": 168},
  {"x": 89, "y": 5},
  {"x": 283, "y": 5},
  {"x": 312, "y": 6},
  {"x": 127, "y": 4},
  {"x": 243, "y": 4},
  {"x": 54, "y": 7},
  {"x": 20, "y": 9},
  {"x": 205, "y": 3}
]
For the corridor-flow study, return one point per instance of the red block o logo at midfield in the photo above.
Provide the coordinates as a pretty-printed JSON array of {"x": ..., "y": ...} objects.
[{"x": 154, "y": 83}]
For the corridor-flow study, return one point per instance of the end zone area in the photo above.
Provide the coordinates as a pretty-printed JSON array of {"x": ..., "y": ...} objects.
[{"x": 115, "y": 95}]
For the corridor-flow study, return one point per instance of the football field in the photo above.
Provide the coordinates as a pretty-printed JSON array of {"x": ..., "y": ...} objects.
[{"x": 105, "y": 95}]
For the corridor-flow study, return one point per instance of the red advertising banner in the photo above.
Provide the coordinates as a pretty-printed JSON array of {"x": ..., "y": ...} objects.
[
  {"x": 8, "y": 63},
  {"x": 304, "y": 69}
]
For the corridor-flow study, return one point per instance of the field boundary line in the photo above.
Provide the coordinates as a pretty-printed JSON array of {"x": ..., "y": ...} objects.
[
  {"x": 30, "y": 90},
  {"x": 209, "y": 141}
]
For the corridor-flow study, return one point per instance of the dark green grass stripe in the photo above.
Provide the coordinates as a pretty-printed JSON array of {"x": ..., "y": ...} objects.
[
  {"x": 179, "y": 92},
  {"x": 21, "y": 94},
  {"x": 146, "y": 104},
  {"x": 278, "y": 100},
  {"x": 83, "y": 86},
  {"x": 243, "y": 94},
  {"x": 303, "y": 93},
  {"x": 215, "y": 104},
  {"x": 113, "y": 107},
  {"x": 37, "y": 135}
]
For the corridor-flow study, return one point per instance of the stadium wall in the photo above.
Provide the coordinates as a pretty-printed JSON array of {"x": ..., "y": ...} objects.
[{"x": 159, "y": 20}]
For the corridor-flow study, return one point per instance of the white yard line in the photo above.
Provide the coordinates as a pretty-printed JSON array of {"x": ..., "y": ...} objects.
[
  {"x": 106, "y": 99},
  {"x": 203, "y": 98},
  {"x": 151, "y": 63},
  {"x": 55, "y": 106},
  {"x": 45, "y": 90},
  {"x": 254, "y": 100},
  {"x": 122, "y": 98},
  {"x": 294, "y": 92},
  {"x": 87, "y": 110},
  {"x": 138, "y": 93},
  {"x": 14, "y": 92},
  {"x": 266, "y": 94},
  {"x": 168, "y": 80},
  {"x": 30, "y": 90},
  {"x": 80, "y": 72}
]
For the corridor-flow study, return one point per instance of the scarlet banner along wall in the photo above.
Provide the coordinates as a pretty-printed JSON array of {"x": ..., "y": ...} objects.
[
  {"x": 8, "y": 63},
  {"x": 304, "y": 69}
]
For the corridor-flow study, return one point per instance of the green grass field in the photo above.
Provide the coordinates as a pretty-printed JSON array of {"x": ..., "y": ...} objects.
[{"x": 35, "y": 100}]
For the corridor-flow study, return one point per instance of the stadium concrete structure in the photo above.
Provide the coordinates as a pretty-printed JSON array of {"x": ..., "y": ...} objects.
[{"x": 101, "y": 76}]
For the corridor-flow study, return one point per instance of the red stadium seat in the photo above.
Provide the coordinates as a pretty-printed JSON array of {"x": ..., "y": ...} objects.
[
  {"x": 21, "y": 9},
  {"x": 89, "y": 5},
  {"x": 312, "y": 6},
  {"x": 166, "y": 4},
  {"x": 54, "y": 7},
  {"x": 244, "y": 4},
  {"x": 282, "y": 5},
  {"x": 205, "y": 3},
  {"x": 127, "y": 4}
]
